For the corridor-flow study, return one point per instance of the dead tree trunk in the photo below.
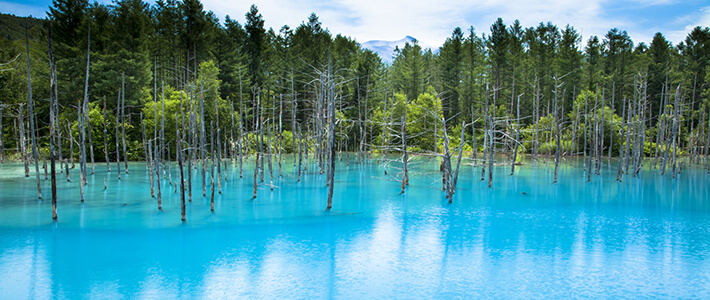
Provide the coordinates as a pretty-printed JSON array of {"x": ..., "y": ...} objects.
[
  {"x": 300, "y": 152},
  {"x": 659, "y": 126},
  {"x": 231, "y": 137},
  {"x": 485, "y": 138},
  {"x": 490, "y": 151},
  {"x": 52, "y": 123},
  {"x": 239, "y": 143},
  {"x": 536, "y": 144},
  {"x": 620, "y": 171},
  {"x": 458, "y": 163},
  {"x": 611, "y": 134},
  {"x": 190, "y": 155},
  {"x": 30, "y": 111},
  {"x": 293, "y": 121},
  {"x": 2, "y": 144},
  {"x": 676, "y": 128},
  {"x": 178, "y": 150},
  {"x": 517, "y": 138},
  {"x": 212, "y": 183},
  {"x": 405, "y": 158},
  {"x": 445, "y": 167},
  {"x": 219, "y": 153},
  {"x": 558, "y": 128},
  {"x": 82, "y": 142},
  {"x": 586, "y": 128},
  {"x": 330, "y": 90},
  {"x": 601, "y": 141},
  {"x": 202, "y": 137},
  {"x": 473, "y": 133},
  {"x": 707, "y": 146},
  {"x": 387, "y": 134},
  {"x": 146, "y": 150},
  {"x": 66, "y": 165},
  {"x": 595, "y": 139},
  {"x": 118, "y": 153},
  {"x": 108, "y": 161},
  {"x": 269, "y": 154},
  {"x": 642, "y": 128},
  {"x": 256, "y": 173},
  {"x": 628, "y": 136},
  {"x": 157, "y": 174},
  {"x": 85, "y": 107},
  {"x": 123, "y": 120},
  {"x": 23, "y": 149},
  {"x": 574, "y": 146},
  {"x": 281, "y": 137}
]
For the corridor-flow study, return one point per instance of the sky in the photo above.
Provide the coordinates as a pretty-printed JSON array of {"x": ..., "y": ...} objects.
[{"x": 431, "y": 22}]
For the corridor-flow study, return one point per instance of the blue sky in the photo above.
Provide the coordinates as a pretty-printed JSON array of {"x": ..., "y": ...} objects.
[{"x": 432, "y": 21}]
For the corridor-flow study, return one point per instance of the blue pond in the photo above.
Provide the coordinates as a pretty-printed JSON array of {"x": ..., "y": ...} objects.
[{"x": 646, "y": 237}]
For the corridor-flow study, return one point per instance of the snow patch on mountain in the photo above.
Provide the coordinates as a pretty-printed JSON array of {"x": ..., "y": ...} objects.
[{"x": 385, "y": 49}]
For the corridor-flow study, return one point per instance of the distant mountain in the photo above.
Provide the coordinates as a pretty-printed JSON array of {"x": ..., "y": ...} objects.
[{"x": 385, "y": 49}]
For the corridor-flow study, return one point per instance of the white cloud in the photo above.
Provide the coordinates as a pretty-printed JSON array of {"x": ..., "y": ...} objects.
[
  {"x": 433, "y": 21},
  {"x": 682, "y": 25},
  {"x": 430, "y": 22}
]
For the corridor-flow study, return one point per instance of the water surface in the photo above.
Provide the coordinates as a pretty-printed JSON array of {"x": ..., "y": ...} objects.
[{"x": 646, "y": 237}]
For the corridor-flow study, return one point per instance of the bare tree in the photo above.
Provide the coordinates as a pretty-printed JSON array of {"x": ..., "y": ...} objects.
[
  {"x": 517, "y": 138},
  {"x": 52, "y": 124},
  {"x": 30, "y": 111}
]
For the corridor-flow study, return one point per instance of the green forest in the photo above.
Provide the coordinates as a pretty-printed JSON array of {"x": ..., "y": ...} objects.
[{"x": 136, "y": 70}]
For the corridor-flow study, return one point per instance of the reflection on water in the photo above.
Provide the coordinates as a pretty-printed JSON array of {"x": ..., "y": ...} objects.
[{"x": 645, "y": 237}]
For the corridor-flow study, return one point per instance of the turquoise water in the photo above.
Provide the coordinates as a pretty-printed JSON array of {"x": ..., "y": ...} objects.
[{"x": 525, "y": 237}]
